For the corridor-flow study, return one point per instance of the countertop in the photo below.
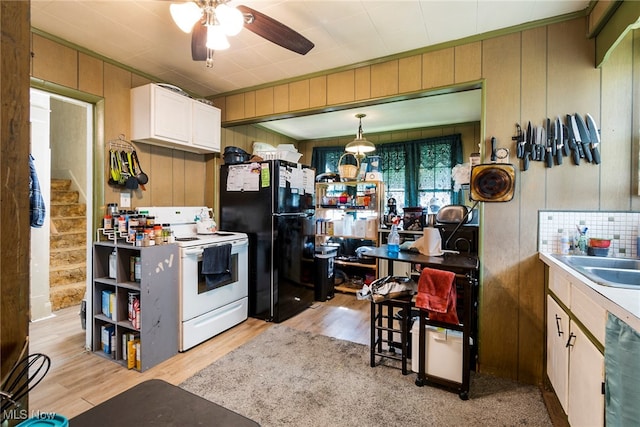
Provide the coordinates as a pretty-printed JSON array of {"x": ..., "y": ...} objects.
[
  {"x": 445, "y": 261},
  {"x": 624, "y": 303}
]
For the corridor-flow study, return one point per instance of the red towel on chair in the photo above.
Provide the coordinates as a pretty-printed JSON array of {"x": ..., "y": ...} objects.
[{"x": 437, "y": 294}]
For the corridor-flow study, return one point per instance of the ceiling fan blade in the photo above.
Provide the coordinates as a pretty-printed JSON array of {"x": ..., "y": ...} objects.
[
  {"x": 199, "y": 42},
  {"x": 276, "y": 32}
]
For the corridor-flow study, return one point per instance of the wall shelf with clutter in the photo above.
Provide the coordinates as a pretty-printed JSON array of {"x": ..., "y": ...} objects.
[
  {"x": 348, "y": 216},
  {"x": 135, "y": 328}
]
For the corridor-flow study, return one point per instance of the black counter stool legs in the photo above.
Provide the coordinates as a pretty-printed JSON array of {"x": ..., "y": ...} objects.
[{"x": 379, "y": 329}]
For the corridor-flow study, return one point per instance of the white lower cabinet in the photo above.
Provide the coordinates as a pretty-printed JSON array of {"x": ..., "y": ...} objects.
[
  {"x": 586, "y": 375},
  {"x": 557, "y": 353},
  {"x": 575, "y": 365}
]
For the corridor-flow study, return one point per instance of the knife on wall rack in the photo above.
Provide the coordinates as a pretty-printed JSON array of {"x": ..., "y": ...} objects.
[
  {"x": 549, "y": 144},
  {"x": 594, "y": 133},
  {"x": 559, "y": 140},
  {"x": 585, "y": 137},
  {"x": 571, "y": 139}
]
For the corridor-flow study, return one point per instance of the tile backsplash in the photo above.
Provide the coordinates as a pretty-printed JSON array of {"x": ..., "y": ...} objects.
[{"x": 621, "y": 227}]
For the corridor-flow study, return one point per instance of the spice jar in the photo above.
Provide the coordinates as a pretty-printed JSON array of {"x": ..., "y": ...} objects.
[
  {"x": 107, "y": 222},
  {"x": 157, "y": 234}
]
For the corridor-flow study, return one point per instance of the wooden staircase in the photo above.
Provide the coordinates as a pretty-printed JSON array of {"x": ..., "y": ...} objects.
[{"x": 68, "y": 245}]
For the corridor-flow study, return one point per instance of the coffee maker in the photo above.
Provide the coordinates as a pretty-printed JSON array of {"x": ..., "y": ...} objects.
[{"x": 392, "y": 211}]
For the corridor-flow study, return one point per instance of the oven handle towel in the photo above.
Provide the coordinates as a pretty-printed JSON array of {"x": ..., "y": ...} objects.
[{"x": 216, "y": 265}]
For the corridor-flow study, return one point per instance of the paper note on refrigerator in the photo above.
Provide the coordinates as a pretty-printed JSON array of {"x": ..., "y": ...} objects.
[{"x": 245, "y": 177}]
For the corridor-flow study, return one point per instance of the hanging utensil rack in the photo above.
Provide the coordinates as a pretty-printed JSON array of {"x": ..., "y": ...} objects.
[{"x": 121, "y": 144}]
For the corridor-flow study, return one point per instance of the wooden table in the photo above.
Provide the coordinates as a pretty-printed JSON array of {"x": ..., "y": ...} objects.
[
  {"x": 466, "y": 267},
  {"x": 158, "y": 403}
]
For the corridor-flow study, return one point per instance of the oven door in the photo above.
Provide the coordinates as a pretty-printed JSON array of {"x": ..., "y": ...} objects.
[{"x": 197, "y": 298}]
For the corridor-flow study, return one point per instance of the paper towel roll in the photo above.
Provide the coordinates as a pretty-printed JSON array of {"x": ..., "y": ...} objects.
[{"x": 432, "y": 241}]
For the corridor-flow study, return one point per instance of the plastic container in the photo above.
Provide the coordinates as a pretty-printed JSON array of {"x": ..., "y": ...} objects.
[
  {"x": 597, "y": 251},
  {"x": 443, "y": 352},
  {"x": 55, "y": 420},
  {"x": 599, "y": 243},
  {"x": 564, "y": 243}
]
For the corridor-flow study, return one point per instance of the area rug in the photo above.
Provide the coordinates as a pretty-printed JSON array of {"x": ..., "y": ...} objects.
[{"x": 285, "y": 377}]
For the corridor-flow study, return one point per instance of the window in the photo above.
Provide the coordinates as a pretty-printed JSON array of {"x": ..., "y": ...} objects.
[{"x": 413, "y": 171}]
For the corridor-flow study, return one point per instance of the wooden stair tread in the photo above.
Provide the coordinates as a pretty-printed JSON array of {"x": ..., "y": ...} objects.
[{"x": 75, "y": 266}]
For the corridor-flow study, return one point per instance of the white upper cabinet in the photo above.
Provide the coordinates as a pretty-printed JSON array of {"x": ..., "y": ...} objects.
[
  {"x": 205, "y": 129},
  {"x": 160, "y": 116}
]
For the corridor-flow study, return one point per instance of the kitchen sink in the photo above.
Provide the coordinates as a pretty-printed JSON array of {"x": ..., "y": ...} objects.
[
  {"x": 617, "y": 277},
  {"x": 603, "y": 262},
  {"x": 614, "y": 272}
]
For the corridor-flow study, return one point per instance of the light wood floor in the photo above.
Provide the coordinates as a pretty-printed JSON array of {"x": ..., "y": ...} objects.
[{"x": 79, "y": 380}]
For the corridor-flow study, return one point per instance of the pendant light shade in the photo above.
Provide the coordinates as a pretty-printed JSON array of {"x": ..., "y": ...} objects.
[{"x": 360, "y": 145}]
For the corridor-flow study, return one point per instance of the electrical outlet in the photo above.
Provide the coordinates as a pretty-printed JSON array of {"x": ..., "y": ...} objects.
[{"x": 125, "y": 200}]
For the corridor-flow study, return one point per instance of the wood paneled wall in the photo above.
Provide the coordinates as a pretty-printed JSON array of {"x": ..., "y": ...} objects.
[
  {"x": 527, "y": 76},
  {"x": 176, "y": 178},
  {"x": 14, "y": 191}
]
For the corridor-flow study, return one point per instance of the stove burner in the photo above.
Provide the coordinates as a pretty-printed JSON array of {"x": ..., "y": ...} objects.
[{"x": 186, "y": 239}]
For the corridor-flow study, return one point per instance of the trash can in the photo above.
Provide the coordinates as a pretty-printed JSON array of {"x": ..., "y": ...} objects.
[{"x": 324, "y": 265}]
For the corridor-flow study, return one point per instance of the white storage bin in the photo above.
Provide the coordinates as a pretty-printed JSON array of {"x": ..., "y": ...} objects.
[
  {"x": 372, "y": 228},
  {"x": 443, "y": 352},
  {"x": 359, "y": 228}
]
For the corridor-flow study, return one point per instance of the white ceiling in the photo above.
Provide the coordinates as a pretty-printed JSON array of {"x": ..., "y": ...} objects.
[{"x": 142, "y": 35}]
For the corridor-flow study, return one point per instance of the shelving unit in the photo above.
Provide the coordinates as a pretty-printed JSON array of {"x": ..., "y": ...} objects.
[
  {"x": 156, "y": 285},
  {"x": 349, "y": 214}
]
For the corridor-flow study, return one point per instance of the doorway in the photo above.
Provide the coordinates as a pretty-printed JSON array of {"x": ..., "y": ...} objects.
[{"x": 62, "y": 132}]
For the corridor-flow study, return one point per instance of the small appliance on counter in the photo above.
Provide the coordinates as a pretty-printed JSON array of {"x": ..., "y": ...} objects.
[
  {"x": 413, "y": 218},
  {"x": 205, "y": 224},
  {"x": 392, "y": 211}
]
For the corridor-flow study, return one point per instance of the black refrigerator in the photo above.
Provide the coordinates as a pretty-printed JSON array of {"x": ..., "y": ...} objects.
[{"x": 272, "y": 202}]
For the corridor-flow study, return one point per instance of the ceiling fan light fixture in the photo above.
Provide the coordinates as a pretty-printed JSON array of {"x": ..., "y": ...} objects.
[
  {"x": 360, "y": 145},
  {"x": 230, "y": 18},
  {"x": 216, "y": 39},
  {"x": 185, "y": 15}
]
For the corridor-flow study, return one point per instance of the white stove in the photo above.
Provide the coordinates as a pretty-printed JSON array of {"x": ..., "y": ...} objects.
[{"x": 207, "y": 307}]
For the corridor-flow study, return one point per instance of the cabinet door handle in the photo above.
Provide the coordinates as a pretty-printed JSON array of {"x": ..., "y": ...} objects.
[
  {"x": 571, "y": 340},
  {"x": 558, "y": 326}
]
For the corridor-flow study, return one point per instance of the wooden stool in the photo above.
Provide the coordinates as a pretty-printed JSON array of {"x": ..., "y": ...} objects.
[{"x": 378, "y": 328}]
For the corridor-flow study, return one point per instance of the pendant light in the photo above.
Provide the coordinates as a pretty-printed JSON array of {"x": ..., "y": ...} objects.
[{"x": 360, "y": 145}]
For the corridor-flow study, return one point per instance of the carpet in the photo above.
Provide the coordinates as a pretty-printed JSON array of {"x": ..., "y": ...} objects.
[{"x": 286, "y": 377}]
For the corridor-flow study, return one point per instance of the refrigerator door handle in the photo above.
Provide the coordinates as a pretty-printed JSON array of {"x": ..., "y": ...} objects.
[{"x": 294, "y": 214}]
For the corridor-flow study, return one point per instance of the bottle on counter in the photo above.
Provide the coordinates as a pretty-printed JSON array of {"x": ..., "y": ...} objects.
[
  {"x": 393, "y": 241},
  {"x": 564, "y": 243},
  {"x": 582, "y": 241}
]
